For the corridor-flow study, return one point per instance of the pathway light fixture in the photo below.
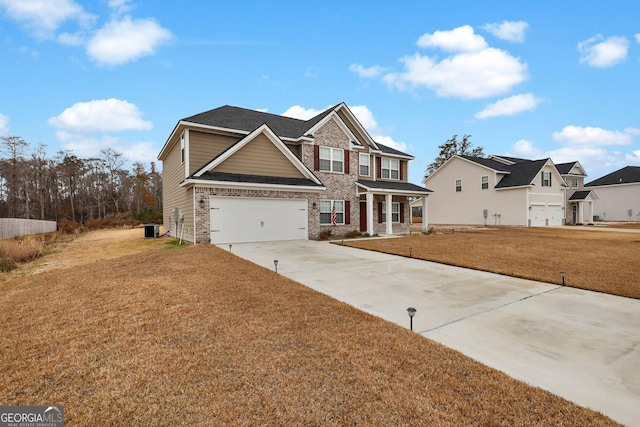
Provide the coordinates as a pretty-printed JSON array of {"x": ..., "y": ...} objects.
[
  {"x": 412, "y": 312},
  {"x": 275, "y": 262},
  {"x": 562, "y": 274}
]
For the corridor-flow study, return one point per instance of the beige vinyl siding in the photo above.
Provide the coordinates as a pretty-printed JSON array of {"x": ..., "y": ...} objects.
[
  {"x": 204, "y": 147},
  {"x": 446, "y": 206},
  {"x": 614, "y": 202},
  {"x": 260, "y": 157},
  {"x": 173, "y": 194}
]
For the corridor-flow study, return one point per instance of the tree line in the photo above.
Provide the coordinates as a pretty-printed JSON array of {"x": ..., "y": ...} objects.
[{"x": 34, "y": 186}]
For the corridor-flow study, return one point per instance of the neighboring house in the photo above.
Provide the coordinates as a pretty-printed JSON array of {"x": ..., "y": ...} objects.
[
  {"x": 618, "y": 195},
  {"x": 237, "y": 175},
  {"x": 579, "y": 202},
  {"x": 497, "y": 190}
]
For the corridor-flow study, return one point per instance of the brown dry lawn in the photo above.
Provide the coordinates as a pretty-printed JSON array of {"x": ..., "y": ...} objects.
[
  {"x": 603, "y": 261},
  {"x": 197, "y": 336}
]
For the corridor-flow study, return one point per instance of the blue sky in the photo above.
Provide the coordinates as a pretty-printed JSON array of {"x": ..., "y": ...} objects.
[{"x": 536, "y": 79}]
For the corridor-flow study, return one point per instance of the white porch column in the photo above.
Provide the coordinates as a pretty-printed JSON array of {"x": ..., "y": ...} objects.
[
  {"x": 581, "y": 212},
  {"x": 388, "y": 215},
  {"x": 425, "y": 214},
  {"x": 369, "y": 198},
  {"x": 590, "y": 213}
]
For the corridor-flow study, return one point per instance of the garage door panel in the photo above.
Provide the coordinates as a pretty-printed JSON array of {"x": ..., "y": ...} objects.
[{"x": 236, "y": 220}]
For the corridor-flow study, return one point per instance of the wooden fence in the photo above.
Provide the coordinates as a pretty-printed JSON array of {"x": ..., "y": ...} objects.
[{"x": 10, "y": 227}]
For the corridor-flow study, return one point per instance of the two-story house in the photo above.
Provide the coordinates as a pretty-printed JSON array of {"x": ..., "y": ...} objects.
[
  {"x": 498, "y": 190},
  {"x": 235, "y": 175}
]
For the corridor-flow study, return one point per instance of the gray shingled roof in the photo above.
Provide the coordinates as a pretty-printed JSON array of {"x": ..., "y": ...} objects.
[
  {"x": 390, "y": 185},
  {"x": 521, "y": 173},
  {"x": 565, "y": 168},
  {"x": 257, "y": 179},
  {"x": 580, "y": 195},
  {"x": 243, "y": 119},
  {"x": 626, "y": 175}
]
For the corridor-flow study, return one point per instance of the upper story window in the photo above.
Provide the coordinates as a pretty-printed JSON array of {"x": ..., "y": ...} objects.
[
  {"x": 546, "y": 179},
  {"x": 574, "y": 182},
  {"x": 458, "y": 185},
  {"x": 331, "y": 159},
  {"x": 485, "y": 182},
  {"x": 182, "y": 148},
  {"x": 391, "y": 168},
  {"x": 364, "y": 164}
]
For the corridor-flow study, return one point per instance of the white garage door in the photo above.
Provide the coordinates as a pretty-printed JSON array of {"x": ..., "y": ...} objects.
[
  {"x": 537, "y": 216},
  {"x": 555, "y": 215},
  {"x": 237, "y": 220}
]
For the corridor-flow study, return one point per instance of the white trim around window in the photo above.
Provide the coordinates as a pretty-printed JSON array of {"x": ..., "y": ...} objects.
[
  {"x": 326, "y": 211},
  {"x": 364, "y": 164},
  {"x": 458, "y": 185},
  {"x": 485, "y": 182},
  {"x": 331, "y": 159},
  {"x": 390, "y": 168},
  {"x": 395, "y": 212}
]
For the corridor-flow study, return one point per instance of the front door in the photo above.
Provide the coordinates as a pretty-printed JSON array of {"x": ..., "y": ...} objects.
[{"x": 363, "y": 217}]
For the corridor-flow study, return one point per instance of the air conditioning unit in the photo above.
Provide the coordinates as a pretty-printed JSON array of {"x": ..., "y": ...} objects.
[{"x": 151, "y": 231}]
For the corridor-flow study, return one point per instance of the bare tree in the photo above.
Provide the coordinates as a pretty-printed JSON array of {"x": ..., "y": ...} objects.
[{"x": 453, "y": 147}]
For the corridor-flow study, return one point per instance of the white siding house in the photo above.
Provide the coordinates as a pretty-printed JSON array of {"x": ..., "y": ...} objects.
[
  {"x": 618, "y": 195},
  {"x": 496, "y": 191}
]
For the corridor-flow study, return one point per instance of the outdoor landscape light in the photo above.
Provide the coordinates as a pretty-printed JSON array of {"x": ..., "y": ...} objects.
[
  {"x": 201, "y": 203},
  {"x": 412, "y": 312},
  {"x": 275, "y": 262},
  {"x": 562, "y": 274},
  {"x": 411, "y": 252},
  {"x": 230, "y": 248}
]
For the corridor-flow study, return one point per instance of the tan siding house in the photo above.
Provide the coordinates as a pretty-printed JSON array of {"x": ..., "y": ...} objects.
[
  {"x": 496, "y": 191},
  {"x": 618, "y": 195},
  {"x": 237, "y": 175}
]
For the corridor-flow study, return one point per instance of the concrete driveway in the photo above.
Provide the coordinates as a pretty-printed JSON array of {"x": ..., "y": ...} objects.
[{"x": 581, "y": 345}]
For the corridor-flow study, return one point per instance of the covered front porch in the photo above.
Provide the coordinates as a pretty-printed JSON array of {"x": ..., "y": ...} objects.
[
  {"x": 375, "y": 198},
  {"x": 581, "y": 205}
]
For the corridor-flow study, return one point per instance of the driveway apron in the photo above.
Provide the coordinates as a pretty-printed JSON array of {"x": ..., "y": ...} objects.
[{"x": 581, "y": 345}]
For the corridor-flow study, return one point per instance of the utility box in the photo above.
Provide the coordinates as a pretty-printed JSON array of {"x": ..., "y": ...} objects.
[{"x": 151, "y": 231}]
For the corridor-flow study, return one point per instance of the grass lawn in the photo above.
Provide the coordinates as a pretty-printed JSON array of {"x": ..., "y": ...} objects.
[
  {"x": 198, "y": 336},
  {"x": 604, "y": 261}
]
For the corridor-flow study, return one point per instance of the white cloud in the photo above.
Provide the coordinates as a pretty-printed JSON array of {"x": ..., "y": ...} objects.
[
  {"x": 591, "y": 146},
  {"x": 472, "y": 69},
  {"x": 4, "y": 125},
  {"x": 485, "y": 73},
  {"x": 637, "y": 36},
  {"x": 120, "y": 6},
  {"x": 593, "y": 136},
  {"x": 86, "y": 146},
  {"x": 299, "y": 112},
  {"x": 526, "y": 149},
  {"x": 512, "y": 31},
  {"x": 461, "y": 39},
  {"x": 602, "y": 53},
  {"x": 373, "y": 71},
  {"x": 119, "y": 42},
  {"x": 510, "y": 106},
  {"x": 43, "y": 17},
  {"x": 365, "y": 117},
  {"x": 104, "y": 115}
]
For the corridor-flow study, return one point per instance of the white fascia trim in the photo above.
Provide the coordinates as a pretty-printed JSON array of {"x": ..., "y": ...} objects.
[
  {"x": 336, "y": 117},
  {"x": 280, "y": 145},
  {"x": 393, "y": 192},
  {"x": 397, "y": 156},
  {"x": 250, "y": 186},
  {"x": 514, "y": 188},
  {"x": 622, "y": 184}
]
